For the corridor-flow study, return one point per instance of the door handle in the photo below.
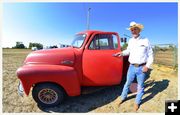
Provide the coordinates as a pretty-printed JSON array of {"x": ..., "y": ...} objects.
[
  {"x": 116, "y": 55},
  {"x": 67, "y": 62}
]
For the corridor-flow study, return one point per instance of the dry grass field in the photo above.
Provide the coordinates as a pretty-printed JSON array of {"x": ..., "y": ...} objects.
[{"x": 161, "y": 85}]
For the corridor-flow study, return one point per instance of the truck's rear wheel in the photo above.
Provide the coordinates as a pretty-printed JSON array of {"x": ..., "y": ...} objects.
[
  {"x": 48, "y": 94},
  {"x": 133, "y": 86}
]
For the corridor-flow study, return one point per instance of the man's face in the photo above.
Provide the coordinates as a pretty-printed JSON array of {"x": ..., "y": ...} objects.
[{"x": 135, "y": 32}]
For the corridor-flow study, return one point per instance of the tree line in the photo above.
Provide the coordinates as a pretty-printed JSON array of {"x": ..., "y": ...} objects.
[{"x": 20, "y": 45}]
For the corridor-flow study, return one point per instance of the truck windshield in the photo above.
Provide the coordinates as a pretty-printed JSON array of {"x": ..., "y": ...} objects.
[{"x": 78, "y": 40}]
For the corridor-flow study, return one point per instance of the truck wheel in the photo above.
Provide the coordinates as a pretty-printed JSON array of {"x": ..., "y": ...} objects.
[
  {"x": 133, "y": 87},
  {"x": 48, "y": 95}
]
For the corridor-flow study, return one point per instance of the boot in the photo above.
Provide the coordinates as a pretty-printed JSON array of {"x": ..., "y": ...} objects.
[
  {"x": 118, "y": 101},
  {"x": 136, "y": 107}
]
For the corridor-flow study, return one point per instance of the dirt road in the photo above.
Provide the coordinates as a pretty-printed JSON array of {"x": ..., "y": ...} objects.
[{"x": 160, "y": 86}]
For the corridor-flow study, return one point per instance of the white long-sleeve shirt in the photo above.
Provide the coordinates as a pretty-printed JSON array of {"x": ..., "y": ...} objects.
[{"x": 139, "y": 51}]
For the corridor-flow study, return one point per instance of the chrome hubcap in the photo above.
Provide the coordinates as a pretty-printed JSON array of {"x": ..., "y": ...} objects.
[{"x": 48, "y": 96}]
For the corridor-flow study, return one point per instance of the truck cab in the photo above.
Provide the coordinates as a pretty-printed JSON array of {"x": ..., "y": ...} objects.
[{"x": 89, "y": 62}]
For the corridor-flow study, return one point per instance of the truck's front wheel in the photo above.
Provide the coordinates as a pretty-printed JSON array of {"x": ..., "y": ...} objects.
[{"x": 48, "y": 94}]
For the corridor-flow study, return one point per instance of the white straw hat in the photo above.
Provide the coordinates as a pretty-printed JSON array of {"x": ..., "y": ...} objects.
[{"x": 134, "y": 24}]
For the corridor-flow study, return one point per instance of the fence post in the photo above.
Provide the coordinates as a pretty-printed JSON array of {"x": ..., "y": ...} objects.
[
  {"x": 175, "y": 55},
  {"x": 154, "y": 53}
]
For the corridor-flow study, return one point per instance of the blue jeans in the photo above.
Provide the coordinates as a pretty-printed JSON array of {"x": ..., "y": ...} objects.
[{"x": 140, "y": 76}]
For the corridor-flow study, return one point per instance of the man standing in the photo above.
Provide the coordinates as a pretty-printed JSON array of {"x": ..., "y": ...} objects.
[{"x": 140, "y": 58}]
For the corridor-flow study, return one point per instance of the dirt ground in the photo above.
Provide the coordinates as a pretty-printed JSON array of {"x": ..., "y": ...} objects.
[{"x": 161, "y": 85}]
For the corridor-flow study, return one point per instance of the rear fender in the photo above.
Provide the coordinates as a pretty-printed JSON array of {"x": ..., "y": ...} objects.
[{"x": 64, "y": 76}]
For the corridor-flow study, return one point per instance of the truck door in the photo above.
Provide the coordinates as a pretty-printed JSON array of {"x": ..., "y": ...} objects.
[{"x": 100, "y": 67}]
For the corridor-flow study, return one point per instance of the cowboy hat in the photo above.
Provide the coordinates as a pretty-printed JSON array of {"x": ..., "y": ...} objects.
[{"x": 134, "y": 24}]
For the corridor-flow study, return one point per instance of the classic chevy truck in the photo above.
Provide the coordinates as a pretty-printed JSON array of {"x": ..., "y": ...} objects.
[{"x": 89, "y": 62}]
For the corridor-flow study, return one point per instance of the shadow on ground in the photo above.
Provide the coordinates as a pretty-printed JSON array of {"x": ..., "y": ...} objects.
[
  {"x": 89, "y": 102},
  {"x": 156, "y": 87},
  {"x": 86, "y": 102}
]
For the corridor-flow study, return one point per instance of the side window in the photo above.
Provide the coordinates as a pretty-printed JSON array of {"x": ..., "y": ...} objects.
[
  {"x": 104, "y": 42},
  {"x": 115, "y": 41}
]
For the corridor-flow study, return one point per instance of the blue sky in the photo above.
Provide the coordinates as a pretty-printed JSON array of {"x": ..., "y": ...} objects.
[{"x": 54, "y": 23}]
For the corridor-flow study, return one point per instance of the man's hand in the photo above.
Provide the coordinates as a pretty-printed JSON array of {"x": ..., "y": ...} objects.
[
  {"x": 119, "y": 54},
  {"x": 145, "y": 69}
]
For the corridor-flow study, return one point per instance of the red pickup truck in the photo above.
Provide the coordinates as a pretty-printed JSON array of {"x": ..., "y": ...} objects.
[{"x": 89, "y": 62}]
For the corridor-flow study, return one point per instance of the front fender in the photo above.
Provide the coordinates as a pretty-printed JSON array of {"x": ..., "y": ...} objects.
[{"x": 64, "y": 76}]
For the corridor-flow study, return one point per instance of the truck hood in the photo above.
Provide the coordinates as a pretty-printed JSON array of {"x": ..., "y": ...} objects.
[{"x": 58, "y": 56}]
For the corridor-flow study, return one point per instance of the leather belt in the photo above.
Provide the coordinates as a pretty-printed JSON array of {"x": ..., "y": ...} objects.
[{"x": 137, "y": 65}]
